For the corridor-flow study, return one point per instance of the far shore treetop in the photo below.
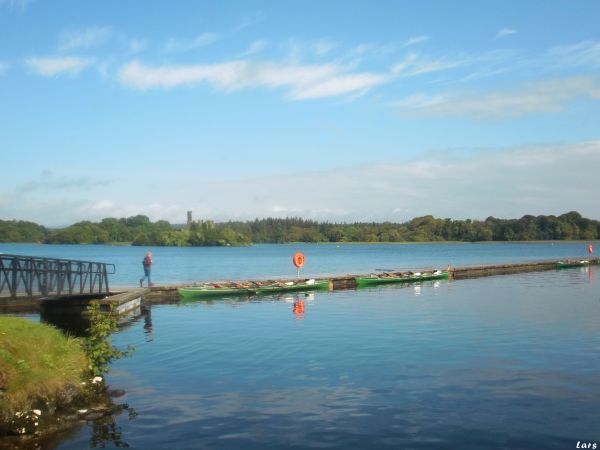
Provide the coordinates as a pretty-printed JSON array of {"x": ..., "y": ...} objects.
[{"x": 140, "y": 230}]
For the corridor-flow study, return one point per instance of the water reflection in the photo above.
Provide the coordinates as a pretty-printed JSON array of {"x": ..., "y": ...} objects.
[
  {"x": 77, "y": 325},
  {"x": 416, "y": 287},
  {"x": 71, "y": 324},
  {"x": 298, "y": 309},
  {"x": 240, "y": 300},
  {"x": 106, "y": 430},
  {"x": 147, "y": 314}
]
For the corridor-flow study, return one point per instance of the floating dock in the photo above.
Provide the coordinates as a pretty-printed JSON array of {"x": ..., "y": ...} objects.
[
  {"x": 158, "y": 293},
  {"x": 127, "y": 300}
]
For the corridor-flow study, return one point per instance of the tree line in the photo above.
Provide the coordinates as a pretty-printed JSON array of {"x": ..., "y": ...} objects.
[
  {"x": 139, "y": 230},
  {"x": 135, "y": 230}
]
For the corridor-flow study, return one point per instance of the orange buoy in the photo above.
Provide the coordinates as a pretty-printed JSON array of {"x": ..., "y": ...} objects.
[
  {"x": 298, "y": 259},
  {"x": 590, "y": 249}
]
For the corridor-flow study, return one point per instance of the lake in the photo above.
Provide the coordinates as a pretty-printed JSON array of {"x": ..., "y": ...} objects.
[
  {"x": 186, "y": 264},
  {"x": 499, "y": 362},
  {"x": 505, "y": 362}
]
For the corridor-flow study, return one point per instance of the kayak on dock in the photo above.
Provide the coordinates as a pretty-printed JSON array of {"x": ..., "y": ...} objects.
[
  {"x": 250, "y": 288},
  {"x": 567, "y": 263},
  {"x": 401, "y": 277}
]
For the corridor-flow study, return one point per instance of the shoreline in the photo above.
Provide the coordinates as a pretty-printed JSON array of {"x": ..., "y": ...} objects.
[{"x": 129, "y": 244}]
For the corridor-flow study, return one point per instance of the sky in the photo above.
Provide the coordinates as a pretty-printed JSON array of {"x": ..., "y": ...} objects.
[{"x": 337, "y": 111}]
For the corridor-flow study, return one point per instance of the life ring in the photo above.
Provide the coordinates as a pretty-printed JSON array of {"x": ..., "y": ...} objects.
[
  {"x": 298, "y": 259},
  {"x": 590, "y": 249}
]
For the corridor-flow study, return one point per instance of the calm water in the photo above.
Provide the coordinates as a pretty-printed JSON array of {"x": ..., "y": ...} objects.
[
  {"x": 500, "y": 362},
  {"x": 172, "y": 265}
]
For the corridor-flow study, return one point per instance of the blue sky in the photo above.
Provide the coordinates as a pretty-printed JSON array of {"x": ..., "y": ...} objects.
[{"x": 334, "y": 110}]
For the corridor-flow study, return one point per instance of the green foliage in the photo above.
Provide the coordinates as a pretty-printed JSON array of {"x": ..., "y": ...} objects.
[
  {"x": 570, "y": 226},
  {"x": 79, "y": 233},
  {"x": 21, "y": 231},
  {"x": 97, "y": 345},
  {"x": 139, "y": 230}
]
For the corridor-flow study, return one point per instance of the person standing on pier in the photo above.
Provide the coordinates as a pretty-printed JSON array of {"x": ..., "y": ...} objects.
[{"x": 147, "y": 263}]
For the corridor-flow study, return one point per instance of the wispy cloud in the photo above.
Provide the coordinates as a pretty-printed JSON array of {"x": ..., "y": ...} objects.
[
  {"x": 415, "y": 40},
  {"x": 3, "y": 67},
  {"x": 174, "y": 45},
  {"x": 137, "y": 45},
  {"x": 49, "y": 181},
  {"x": 40, "y": 198},
  {"x": 303, "y": 81},
  {"x": 504, "y": 32},
  {"x": 541, "y": 97},
  {"x": 586, "y": 53},
  {"x": 323, "y": 47},
  {"x": 52, "y": 66},
  {"x": 252, "y": 19},
  {"x": 338, "y": 85},
  {"x": 20, "y": 5},
  {"x": 414, "y": 65},
  {"x": 84, "y": 39},
  {"x": 254, "y": 48}
]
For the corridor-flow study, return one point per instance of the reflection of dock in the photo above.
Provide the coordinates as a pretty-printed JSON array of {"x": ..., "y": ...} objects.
[{"x": 127, "y": 301}]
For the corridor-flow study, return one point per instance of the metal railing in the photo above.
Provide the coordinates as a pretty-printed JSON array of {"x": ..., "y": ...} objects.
[{"x": 33, "y": 276}]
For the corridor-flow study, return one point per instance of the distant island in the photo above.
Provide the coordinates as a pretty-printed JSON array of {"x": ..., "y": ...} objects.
[{"x": 139, "y": 230}]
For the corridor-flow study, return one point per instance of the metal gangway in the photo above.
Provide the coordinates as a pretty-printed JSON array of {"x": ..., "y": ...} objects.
[{"x": 33, "y": 277}]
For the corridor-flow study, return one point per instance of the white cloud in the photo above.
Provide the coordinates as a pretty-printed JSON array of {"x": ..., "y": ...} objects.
[
  {"x": 3, "y": 67},
  {"x": 338, "y": 85},
  {"x": 52, "y": 66},
  {"x": 550, "y": 179},
  {"x": 74, "y": 40},
  {"x": 303, "y": 81},
  {"x": 323, "y": 46},
  {"x": 137, "y": 45},
  {"x": 585, "y": 53},
  {"x": 185, "y": 45},
  {"x": 542, "y": 179},
  {"x": 415, "y": 40},
  {"x": 540, "y": 97},
  {"x": 505, "y": 32},
  {"x": 254, "y": 48},
  {"x": 107, "y": 206},
  {"x": 413, "y": 65}
]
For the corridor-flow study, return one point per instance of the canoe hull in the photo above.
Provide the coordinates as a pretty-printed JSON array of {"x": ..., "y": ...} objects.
[
  {"x": 569, "y": 264},
  {"x": 208, "y": 291},
  {"x": 375, "y": 280}
]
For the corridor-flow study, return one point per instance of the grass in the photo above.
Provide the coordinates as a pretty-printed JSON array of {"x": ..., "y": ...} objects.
[{"x": 36, "y": 361}]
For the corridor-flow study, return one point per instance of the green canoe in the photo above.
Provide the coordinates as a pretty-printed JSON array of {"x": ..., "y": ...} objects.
[
  {"x": 564, "y": 264},
  {"x": 250, "y": 288},
  {"x": 400, "y": 277}
]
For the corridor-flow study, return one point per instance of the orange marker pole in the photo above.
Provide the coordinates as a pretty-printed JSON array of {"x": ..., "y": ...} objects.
[{"x": 298, "y": 260}]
